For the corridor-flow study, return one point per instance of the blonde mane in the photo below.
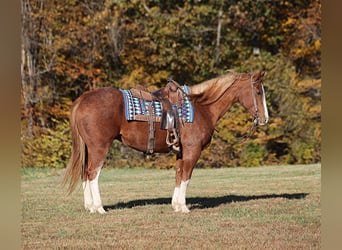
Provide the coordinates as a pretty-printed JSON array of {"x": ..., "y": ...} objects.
[{"x": 211, "y": 90}]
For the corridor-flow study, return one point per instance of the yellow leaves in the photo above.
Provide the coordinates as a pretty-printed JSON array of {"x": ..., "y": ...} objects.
[
  {"x": 302, "y": 38},
  {"x": 310, "y": 88},
  {"x": 135, "y": 77},
  {"x": 275, "y": 123},
  {"x": 290, "y": 21},
  {"x": 303, "y": 48},
  {"x": 315, "y": 110},
  {"x": 51, "y": 148},
  {"x": 310, "y": 83},
  {"x": 100, "y": 16},
  {"x": 317, "y": 44},
  {"x": 160, "y": 76},
  {"x": 141, "y": 76},
  {"x": 61, "y": 110}
]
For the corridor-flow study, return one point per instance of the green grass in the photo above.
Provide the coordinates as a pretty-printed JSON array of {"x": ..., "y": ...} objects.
[{"x": 231, "y": 208}]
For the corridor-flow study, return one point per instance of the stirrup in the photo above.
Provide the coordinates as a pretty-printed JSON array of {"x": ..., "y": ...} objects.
[{"x": 175, "y": 142}]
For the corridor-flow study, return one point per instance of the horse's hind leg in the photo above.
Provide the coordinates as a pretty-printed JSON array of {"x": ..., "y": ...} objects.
[
  {"x": 92, "y": 198},
  {"x": 88, "y": 199},
  {"x": 95, "y": 193}
]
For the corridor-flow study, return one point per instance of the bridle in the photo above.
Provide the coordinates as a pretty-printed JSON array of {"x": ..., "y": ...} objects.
[{"x": 256, "y": 112}]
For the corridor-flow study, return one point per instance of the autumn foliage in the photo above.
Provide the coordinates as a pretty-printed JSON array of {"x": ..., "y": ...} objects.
[{"x": 69, "y": 47}]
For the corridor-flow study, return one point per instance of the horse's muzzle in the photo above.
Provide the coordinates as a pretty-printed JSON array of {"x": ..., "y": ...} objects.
[{"x": 259, "y": 121}]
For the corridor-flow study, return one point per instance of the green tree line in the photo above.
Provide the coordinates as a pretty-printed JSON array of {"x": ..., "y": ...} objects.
[{"x": 69, "y": 47}]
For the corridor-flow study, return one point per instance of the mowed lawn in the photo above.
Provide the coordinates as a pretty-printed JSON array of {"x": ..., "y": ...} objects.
[{"x": 231, "y": 208}]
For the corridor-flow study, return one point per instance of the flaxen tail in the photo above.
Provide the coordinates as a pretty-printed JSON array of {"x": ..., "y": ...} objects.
[{"x": 77, "y": 164}]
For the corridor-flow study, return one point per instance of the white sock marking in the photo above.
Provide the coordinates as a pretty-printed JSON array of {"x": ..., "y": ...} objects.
[
  {"x": 88, "y": 199},
  {"x": 182, "y": 192},
  {"x": 95, "y": 192},
  {"x": 175, "y": 196}
]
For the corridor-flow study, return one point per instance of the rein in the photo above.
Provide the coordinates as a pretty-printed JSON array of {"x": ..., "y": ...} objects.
[{"x": 247, "y": 135}]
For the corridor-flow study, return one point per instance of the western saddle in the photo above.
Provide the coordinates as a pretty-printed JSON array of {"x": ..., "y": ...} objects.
[{"x": 171, "y": 97}]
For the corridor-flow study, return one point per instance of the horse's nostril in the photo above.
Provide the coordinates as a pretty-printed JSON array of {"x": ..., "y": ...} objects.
[{"x": 262, "y": 122}]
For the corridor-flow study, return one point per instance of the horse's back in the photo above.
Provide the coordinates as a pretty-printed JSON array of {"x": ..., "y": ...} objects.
[{"x": 101, "y": 96}]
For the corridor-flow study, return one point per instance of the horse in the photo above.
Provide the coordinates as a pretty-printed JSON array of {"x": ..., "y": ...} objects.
[{"x": 98, "y": 118}]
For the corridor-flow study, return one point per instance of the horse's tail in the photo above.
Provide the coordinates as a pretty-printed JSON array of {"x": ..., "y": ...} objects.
[{"x": 77, "y": 165}]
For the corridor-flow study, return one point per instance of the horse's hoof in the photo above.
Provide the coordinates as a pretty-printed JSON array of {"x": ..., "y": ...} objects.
[
  {"x": 176, "y": 207},
  {"x": 180, "y": 208},
  {"x": 93, "y": 210},
  {"x": 88, "y": 207},
  {"x": 101, "y": 210},
  {"x": 185, "y": 209}
]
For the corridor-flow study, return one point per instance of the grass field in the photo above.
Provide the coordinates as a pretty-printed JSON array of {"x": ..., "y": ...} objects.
[{"x": 231, "y": 208}]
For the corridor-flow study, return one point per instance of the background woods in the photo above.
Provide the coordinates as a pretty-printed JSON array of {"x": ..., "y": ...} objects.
[{"x": 69, "y": 47}]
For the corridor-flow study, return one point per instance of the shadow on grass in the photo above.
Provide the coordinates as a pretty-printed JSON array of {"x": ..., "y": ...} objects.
[{"x": 204, "y": 202}]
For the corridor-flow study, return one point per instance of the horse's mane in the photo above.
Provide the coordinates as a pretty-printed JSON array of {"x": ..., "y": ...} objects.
[{"x": 211, "y": 90}]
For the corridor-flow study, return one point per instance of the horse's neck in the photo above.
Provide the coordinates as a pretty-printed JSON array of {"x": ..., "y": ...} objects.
[{"x": 223, "y": 104}]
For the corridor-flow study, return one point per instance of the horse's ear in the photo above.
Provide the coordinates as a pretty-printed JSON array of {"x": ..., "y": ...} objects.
[{"x": 262, "y": 73}]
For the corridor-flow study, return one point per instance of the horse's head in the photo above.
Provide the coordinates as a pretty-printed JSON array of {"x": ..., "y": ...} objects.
[{"x": 252, "y": 97}]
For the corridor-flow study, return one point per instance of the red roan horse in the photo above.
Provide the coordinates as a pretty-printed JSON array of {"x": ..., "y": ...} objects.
[{"x": 98, "y": 117}]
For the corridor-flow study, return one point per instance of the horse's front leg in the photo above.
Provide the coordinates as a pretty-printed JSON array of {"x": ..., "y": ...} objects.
[
  {"x": 184, "y": 170},
  {"x": 178, "y": 198},
  {"x": 174, "y": 201}
]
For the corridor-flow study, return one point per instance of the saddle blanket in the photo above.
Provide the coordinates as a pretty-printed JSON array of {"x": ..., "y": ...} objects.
[{"x": 136, "y": 109}]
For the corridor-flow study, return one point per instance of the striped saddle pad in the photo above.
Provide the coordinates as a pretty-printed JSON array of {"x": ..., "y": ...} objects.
[{"x": 137, "y": 109}]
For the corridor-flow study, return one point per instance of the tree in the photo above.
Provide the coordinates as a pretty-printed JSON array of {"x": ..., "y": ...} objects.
[{"x": 69, "y": 47}]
